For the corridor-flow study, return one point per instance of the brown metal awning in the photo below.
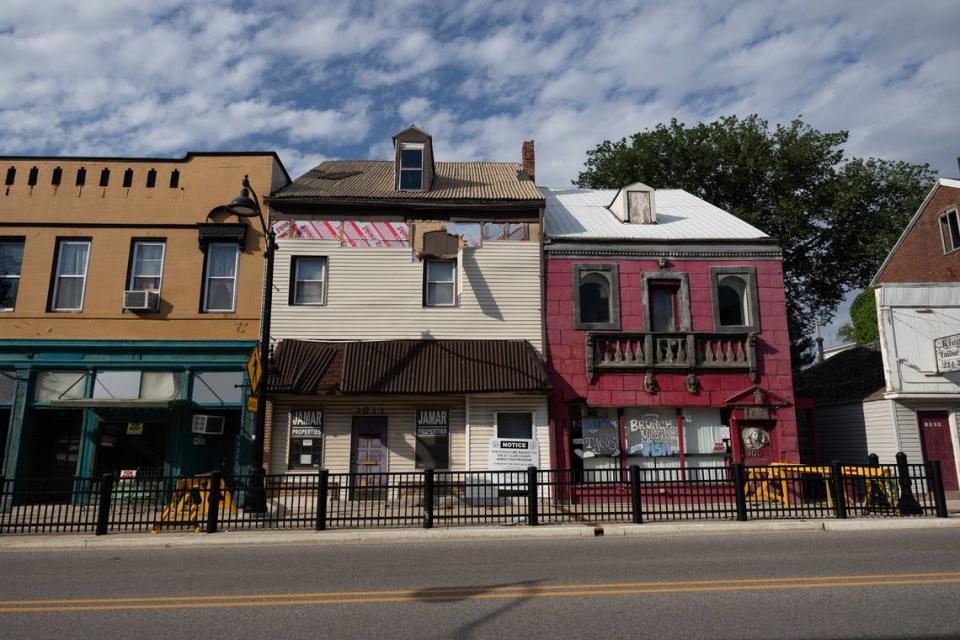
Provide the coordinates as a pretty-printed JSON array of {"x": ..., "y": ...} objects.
[{"x": 409, "y": 366}]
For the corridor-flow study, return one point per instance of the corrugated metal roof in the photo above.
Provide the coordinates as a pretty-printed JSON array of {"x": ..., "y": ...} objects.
[
  {"x": 407, "y": 366},
  {"x": 375, "y": 180},
  {"x": 443, "y": 366},
  {"x": 582, "y": 214}
]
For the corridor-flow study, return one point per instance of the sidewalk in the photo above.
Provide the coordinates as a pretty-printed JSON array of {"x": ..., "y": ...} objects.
[{"x": 65, "y": 542}]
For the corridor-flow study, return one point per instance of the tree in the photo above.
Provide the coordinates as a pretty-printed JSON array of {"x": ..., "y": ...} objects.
[
  {"x": 863, "y": 327},
  {"x": 834, "y": 218}
]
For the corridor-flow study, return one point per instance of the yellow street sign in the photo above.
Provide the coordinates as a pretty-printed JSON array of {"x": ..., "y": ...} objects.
[
  {"x": 252, "y": 404},
  {"x": 254, "y": 369}
]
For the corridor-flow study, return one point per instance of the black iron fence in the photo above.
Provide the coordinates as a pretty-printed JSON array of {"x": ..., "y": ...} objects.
[{"x": 430, "y": 498}]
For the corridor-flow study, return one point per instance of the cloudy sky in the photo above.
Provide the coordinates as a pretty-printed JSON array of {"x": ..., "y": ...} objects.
[{"x": 315, "y": 80}]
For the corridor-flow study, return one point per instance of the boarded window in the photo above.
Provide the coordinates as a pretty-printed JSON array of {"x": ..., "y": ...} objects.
[
  {"x": 81, "y": 177},
  {"x": 174, "y": 178},
  {"x": 57, "y": 177},
  {"x": 518, "y": 426},
  {"x": 128, "y": 178},
  {"x": 32, "y": 178},
  {"x": 105, "y": 178},
  {"x": 11, "y": 175},
  {"x": 151, "y": 178}
]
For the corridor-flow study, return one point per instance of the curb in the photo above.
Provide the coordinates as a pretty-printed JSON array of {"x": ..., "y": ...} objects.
[{"x": 476, "y": 534}]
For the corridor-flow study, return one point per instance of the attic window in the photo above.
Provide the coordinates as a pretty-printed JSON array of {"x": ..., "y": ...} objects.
[
  {"x": 639, "y": 210},
  {"x": 950, "y": 231},
  {"x": 411, "y": 167}
]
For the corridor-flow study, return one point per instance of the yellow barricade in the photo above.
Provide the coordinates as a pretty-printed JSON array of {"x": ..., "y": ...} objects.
[
  {"x": 191, "y": 500},
  {"x": 769, "y": 483}
]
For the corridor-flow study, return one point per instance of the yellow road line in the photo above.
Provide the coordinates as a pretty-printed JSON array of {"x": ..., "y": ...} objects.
[{"x": 414, "y": 595}]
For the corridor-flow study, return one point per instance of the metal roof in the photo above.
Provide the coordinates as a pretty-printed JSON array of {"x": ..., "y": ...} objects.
[
  {"x": 375, "y": 180},
  {"x": 582, "y": 214},
  {"x": 407, "y": 366},
  {"x": 854, "y": 375}
]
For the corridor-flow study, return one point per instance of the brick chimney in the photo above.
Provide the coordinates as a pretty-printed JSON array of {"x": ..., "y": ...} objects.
[{"x": 528, "y": 160}]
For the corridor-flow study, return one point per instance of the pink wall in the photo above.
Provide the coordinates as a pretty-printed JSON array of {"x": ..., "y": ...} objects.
[{"x": 566, "y": 347}]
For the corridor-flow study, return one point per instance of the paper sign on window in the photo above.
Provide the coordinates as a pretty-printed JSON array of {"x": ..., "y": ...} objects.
[{"x": 652, "y": 435}]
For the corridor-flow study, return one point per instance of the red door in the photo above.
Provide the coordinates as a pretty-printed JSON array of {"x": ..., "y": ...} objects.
[{"x": 937, "y": 445}]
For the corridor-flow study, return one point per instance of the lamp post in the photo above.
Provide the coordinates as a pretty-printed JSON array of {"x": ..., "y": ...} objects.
[{"x": 246, "y": 206}]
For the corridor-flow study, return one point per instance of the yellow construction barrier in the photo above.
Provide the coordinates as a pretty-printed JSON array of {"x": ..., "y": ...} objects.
[
  {"x": 191, "y": 500},
  {"x": 769, "y": 483}
]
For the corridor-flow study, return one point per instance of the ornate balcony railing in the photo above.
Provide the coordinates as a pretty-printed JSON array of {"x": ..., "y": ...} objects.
[{"x": 691, "y": 351}]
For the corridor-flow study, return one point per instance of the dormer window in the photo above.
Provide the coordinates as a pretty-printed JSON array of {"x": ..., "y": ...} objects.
[{"x": 411, "y": 166}]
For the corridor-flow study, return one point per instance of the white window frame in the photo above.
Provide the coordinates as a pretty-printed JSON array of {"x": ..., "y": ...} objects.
[
  {"x": 207, "y": 278},
  {"x": 133, "y": 264},
  {"x": 412, "y": 146},
  {"x": 297, "y": 281},
  {"x": 16, "y": 277},
  {"x": 533, "y": 424},
  {"x": 945, "y": 216},
  {"x": 745, "y": 294},
  {"x": 57, "y": 275},
  {"x": 427, "y": 282}
]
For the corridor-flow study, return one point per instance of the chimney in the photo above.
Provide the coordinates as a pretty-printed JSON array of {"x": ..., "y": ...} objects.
[{"x": 528, "y": 160}]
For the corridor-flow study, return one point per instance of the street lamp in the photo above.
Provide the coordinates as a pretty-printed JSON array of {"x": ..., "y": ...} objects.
[{"x": 246, "y": 206}]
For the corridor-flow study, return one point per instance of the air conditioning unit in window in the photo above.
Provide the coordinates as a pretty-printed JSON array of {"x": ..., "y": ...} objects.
[
  {"x": 141, "y": 300},
  {"x": 208, "y": 425}
]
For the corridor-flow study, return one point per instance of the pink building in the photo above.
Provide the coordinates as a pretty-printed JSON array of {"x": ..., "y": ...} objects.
[{"x": 667, "y": 338}]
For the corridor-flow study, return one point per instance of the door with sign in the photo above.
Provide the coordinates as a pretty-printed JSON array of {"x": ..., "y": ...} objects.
[{"x": 369, "y": 457}]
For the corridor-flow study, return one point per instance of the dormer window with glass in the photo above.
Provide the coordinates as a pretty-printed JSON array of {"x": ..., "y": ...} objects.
[{"x": 411, "y": 166}]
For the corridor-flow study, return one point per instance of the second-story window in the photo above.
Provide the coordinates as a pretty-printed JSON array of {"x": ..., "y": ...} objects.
[
  {"x": 220, "y": 279},
  {"x": 440, "y": 283},
  {"x": 735, "y": 305},
  {"x": 146, "y": 266},
  {"x": 11, "y": 260},
  {"x": 411, "y": 167},
  {"x": 950, "y": 231},
  {"x": 309, "y": 280},
  {"x": 596, "y": 296},
  {"x": 664, "y": 306},
  {"x": 70, "y": 275}
]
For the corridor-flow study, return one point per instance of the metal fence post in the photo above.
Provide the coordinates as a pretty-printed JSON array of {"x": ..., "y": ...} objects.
[
  {"x": 936, "y": 479},
  {"x": 323, "y": 488},
  {"x": 428, "y": 499},
  {"x": 533, "y": 511},
  {"x": 907, "y": 504},
  {"x": 213, "y": 502},
  {"x": 103, "y": 509},
  {"x": 635, "y": 494},
  {"x": 740, "y": 491},
  {"x": 839, "y": 491}
]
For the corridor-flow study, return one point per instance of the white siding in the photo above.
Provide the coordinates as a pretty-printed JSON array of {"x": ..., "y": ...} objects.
[
  {"x": 850, "y": 432},
  {"x": 482, "y": 422},
  {"x": 911, "y": 317},
  {"x": 376, "y": 294}
]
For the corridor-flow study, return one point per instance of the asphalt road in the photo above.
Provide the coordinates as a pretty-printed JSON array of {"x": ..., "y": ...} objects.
[{"x": 807, "y": 585}]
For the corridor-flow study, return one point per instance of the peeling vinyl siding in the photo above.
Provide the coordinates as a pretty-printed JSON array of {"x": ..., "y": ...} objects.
[
  {"x": 482, "y": 425},
  {"x": 377, "y": 294}
]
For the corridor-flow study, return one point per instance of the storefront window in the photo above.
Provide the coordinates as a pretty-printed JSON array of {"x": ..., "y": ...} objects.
[
  {"x": 598, "y": 442},
  {"x": 306, "y": 439},
  {"x": 653, "y": 440},
  {"x": 8, "y": 382},
  {"x": 705, "y": 437},
  {"x": 60, "y": 385},
  {"x": 217, "y": 387},
  {"x": 135, "y": 385},
  {"x": 433, "y": 439}
]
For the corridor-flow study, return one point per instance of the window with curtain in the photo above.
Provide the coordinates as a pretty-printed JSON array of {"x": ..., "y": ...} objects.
[
  {"x": 705, "y": 437},
  {"x": 309, "y": 280},
  {"x": 11, "y": 261},
  {"x": 440, "y": 281},
  {"x": 70, "y": 281},
  {"x": 220, "y": 287},
  {"x": 146, "y": 266}
]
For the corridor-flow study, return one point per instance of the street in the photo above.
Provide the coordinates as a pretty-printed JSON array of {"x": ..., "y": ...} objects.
[{"x": 796, "y": 585}]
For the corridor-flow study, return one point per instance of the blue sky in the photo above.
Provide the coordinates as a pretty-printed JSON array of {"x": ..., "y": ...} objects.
[{"x": 317, "y": 80}]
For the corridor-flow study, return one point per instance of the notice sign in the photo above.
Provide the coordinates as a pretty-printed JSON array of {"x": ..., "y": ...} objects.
[
  {"x": 433, "y": 422},
  {"x": 306, "y": 424},
  {"x": 947, "y": 350},
  {"x": 134, "y": 428},
  {"x": 512, "y": 454}
]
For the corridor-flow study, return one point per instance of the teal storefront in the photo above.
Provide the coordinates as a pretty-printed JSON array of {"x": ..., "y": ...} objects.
[{"x": 84, "y": 408}]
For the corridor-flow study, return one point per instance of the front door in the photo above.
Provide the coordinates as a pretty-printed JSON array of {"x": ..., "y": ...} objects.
[
  {"x": 369, "y": 458},
  {"x": 935, "y": 439}
]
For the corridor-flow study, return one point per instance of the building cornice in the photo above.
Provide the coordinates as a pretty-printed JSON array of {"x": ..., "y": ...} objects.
[{"x": 654, "y": 251}]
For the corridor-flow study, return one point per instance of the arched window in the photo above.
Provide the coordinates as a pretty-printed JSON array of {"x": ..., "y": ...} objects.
[
  {"x": 732, "y": 301},
  {"x": 594, "y": 298}
]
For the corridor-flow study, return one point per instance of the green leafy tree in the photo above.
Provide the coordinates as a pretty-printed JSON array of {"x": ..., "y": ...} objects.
[
  {"x": 834, "y": 218},
  {"x": 862, "y": 328}
]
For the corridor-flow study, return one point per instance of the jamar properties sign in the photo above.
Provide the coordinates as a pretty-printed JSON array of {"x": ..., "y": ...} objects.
[{"x": 947, "y": 350}]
